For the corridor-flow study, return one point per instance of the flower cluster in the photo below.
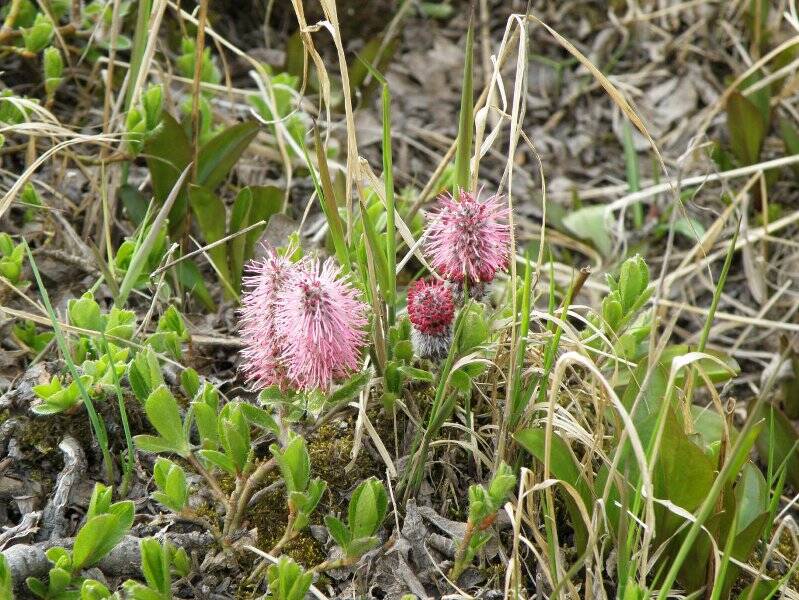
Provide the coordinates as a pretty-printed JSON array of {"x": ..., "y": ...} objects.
[
  {"x": 467, "y": 242},
  {"x": 301, "y": 323}
]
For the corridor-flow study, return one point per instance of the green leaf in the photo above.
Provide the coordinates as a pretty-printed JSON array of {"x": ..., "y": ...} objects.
[
  {"x": 36, "y": 587},
  {"x": 38, "y": 36},
  {"x": 463, "y": 152},
  {"x": 205, "y": 418},
  {"x": 777, "y": 441},
  {"x": 287, "y": 580},
  {"x": 6, "y": 583},
  {"x": 261, "y": 418},
  {"x": 417, "y": 374},
  {"x": 93, "y": 590},
  {"x": 191, "y": 278},
  {"x": 85, "y": 313},
  {"x": 163, "y": 412},
  {"x": 294, "y": 463},
  {"x": 220, "y": 460},
  {"x": 168, "y": 152},
  {"x": 338, "y": 531},
  {"x": 239, "y": 219},
  {"x": 751, "y": 496},
  {"x": 217, "y": 157},
  {"x": 367, "y": 508},
  {"x": 253, "y": 204},
  {"x": 155, "y": 565},
  {"x": 210, "y": 213},
  {"x": 350, "y": 388},
  {"x": 99, "y": 536},
  {"x": 589, "y": 223},
  {"x": 747, "y": 128},
  {"x": 234, "y": 433},
  {"x": 190, "y": 381},
  {"x": 134, "y": 201},
  {"x": 473, "y": 330}
]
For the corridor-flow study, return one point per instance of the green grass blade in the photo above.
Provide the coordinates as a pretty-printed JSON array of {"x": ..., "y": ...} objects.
[
  {"x": 129, "y": 463},
  {"x": 327, "y": 198},
  {"x": 633, "y": 172},
  {"x": 143, "y": 250},
  {"x": 391, "y": 228},
  {"x": 463, "y": 153},
  {"x": 97, "y": 425}
]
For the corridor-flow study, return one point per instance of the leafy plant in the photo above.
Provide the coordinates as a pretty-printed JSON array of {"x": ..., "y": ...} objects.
[
  {"x": 11, "y": 257},
  {"x": 106, "y": 524},
  {"x": 367, "y": 510},
  {"x": 287, "y": 580},
  {"x": 483, "y": 506}
]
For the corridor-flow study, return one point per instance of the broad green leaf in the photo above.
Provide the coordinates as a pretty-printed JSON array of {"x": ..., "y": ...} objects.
[
  {"x": 210, "y": 213},
  {"x": 747, "y": 128},
  {"x": 217, "y": 157},
  {"x": 751, "y": 496},
  {"x": 367, "y": 508},
  {"x": 589, "y": 223},
  {"x": 168, "y": 152}
]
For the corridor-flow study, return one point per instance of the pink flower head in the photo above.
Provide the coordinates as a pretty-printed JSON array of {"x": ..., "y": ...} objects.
[
  {"x": 321, "y": 322},
  {"x": 263, "y": 346},
  {"x": 469, "y": 238},
  {"x": 431, "y": 307}
]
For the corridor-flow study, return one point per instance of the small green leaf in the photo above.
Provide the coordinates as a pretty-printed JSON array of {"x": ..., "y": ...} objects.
[
  {"x": 99, "y": 536},
  {"x": 85, "y": 313},
  {"x": 259, "y": 417},
  {"x": 155, "y": 565},
  {"x": 367, "y": 508},
  {"x": 163, "y": 412},
  {"x": 219, "y": 460},
  {"x": 338, "y": 531}
]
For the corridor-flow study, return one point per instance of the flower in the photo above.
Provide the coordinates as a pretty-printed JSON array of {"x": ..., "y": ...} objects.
[
  {"x": 468, "y": 238},
  {"x": 302, "y": 326},
  {"x": 430, "y": 306},
  {"x": 431, "y": 309},
  {"x": 321, "y": 321},
  {"x": 263, "y": 345}
]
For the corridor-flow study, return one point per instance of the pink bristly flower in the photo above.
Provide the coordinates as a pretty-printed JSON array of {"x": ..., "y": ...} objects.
[
  {"x": 263, "y": 346},
  {"x": 322, "y": 321},
  {"x": 431, "y": 310},
  {"x": 469, "y": 238}
]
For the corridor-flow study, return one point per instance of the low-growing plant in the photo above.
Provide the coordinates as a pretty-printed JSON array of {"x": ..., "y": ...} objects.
[{"x": 106, "y": 524}]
